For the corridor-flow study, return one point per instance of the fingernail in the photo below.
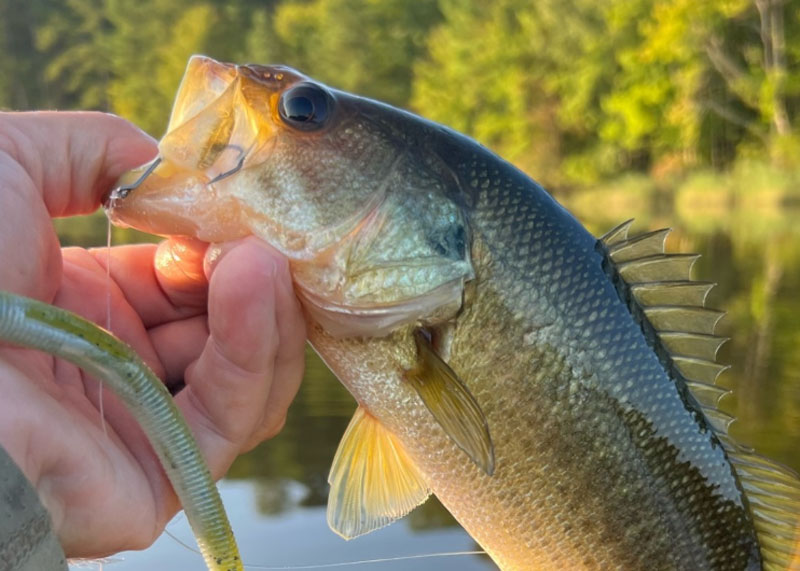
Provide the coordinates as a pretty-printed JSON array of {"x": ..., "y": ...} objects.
[{"x": 213, "y": 256}]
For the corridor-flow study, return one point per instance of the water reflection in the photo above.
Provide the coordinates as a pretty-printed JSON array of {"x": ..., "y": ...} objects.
[{"x": 751, "y": 248}]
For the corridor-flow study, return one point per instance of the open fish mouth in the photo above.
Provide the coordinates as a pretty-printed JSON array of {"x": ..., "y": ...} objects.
[
  {"x": 220, "y": 124},
  {"x": 218, "y": 175}
]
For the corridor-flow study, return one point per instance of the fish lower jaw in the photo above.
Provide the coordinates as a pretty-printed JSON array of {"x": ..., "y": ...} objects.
[{"x": 381, "y": 319}]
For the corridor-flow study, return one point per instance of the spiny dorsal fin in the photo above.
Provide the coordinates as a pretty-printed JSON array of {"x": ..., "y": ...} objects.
[
  {"x": 684, "y": 292},
  {"x": 707, "y": 394},
  {"x": 692, "y": 344},
  {"x": 674, "y": 305},
  {"x": 640, "y": 246},
  {"x": 685, "y": 319},
  {"x": 661, "y": 288},
  {"x": 701, "y": 370},
  {"x": 658, "y": 267},
  {"x": 618, "y": 234}
]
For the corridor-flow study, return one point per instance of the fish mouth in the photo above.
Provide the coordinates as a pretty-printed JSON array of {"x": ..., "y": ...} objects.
[
  {"x": 220, "y": 124},
  {"x": 141, "y": 199},
  {"x": 123, "y": 188}
]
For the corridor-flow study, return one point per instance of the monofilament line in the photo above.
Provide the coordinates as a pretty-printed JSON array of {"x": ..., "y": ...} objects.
[
  {"x": 340, "y": 563},
  {"x": 108, "y": 321}
]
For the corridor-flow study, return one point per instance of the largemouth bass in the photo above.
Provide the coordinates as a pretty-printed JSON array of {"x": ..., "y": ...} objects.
[{"x": 554, "y": 390}]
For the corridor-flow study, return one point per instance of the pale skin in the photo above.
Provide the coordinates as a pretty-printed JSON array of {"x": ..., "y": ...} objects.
[{"x": 221, "y": 319}]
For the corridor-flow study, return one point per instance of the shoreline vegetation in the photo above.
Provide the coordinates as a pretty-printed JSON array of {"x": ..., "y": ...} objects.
[{"x": 576, "y": 92}]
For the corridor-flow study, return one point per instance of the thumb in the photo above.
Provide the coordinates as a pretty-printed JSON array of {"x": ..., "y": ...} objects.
[{"x": 251, "y": 366}]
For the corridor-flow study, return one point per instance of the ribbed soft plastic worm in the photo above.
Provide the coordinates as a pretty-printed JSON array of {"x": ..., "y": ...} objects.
[{"x": 37, "y": 325}]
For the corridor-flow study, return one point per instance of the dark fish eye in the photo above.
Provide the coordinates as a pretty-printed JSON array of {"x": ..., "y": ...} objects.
[{"x": 305, "y": 106}]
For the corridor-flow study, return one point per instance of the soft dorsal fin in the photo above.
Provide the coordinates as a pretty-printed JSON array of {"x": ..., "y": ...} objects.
[
  {"x": 773, "y": 494},
  {"x": 659, "y": 288},
  {"x": 373, "y": 480}
]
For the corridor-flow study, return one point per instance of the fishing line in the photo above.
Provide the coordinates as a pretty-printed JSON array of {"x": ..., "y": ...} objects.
[
  {"x": 108, "y": 319},
  {"x": 340, "y": 563},
  {"x": 368, "y": 561}
]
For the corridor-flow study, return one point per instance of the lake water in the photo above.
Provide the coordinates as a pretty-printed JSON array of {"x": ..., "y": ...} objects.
[{"x": 275, "y": 495}]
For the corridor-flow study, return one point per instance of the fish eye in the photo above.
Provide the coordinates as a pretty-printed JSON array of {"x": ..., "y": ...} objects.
[{"x": 305, "y": 106}]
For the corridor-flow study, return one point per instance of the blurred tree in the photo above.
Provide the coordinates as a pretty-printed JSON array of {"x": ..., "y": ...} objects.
[
  {"x": 364, "y": 46},
  {"x": 578, "y": 91},
  {"x": 704, "y": 80},
  {"x": 21, "y": 83},
  {"x": 486, "y": 75},
  {"x": 261, "y": 45},
  {"x": 151, "y": 43},
  {"x": 73, "y": 39},
  {"x": 692, "y": 109}
]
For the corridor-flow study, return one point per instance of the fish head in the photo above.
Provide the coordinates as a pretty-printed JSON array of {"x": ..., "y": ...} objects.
[{"x": 334, "y": 181}]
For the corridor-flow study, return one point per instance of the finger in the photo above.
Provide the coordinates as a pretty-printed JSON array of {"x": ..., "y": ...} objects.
[
  {"x": 179, "y": 344},
  {"x": 162, "y": 316},
  {"x": 228, "y": 386},
  {"x": 162, "y": 283},
  {"x": 29, "y": 247},
  {"x": 73, "y": 158},
  {"x": 179, "y": 270},
  {"x": 55, "y": 164},
  {"x": 85, "y": 290},
  {"x": 289, "y": 359}
]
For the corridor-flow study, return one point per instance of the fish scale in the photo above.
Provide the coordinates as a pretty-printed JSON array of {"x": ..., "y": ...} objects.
[{"x": 625, "y": 356}]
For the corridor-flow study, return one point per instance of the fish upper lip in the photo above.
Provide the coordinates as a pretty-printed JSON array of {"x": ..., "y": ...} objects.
[
  {"x": 120, "y": 192},
  {"x": 113, "y": 195},
  {"x": 105, "y": 200}
]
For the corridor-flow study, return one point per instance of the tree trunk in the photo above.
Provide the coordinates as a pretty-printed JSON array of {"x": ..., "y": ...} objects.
[{"x": 774, "y": 45}]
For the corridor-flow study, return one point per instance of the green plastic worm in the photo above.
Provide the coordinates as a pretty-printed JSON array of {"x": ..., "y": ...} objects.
[{"x": 31, "y": 323}]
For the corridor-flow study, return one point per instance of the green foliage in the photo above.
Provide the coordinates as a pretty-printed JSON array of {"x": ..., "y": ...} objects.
[
  {"x": 624, "y": 84},
  {"x": 21, "y": 86},
  {"x": 486, "y": 75},
  {"x": 365, "y": 46},
  {"x": 149, "y": 49},
  {"x": 74, "y": 38}
]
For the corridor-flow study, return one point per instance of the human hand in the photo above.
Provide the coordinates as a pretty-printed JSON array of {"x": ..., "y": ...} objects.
[{"x": 227, "y": 325}]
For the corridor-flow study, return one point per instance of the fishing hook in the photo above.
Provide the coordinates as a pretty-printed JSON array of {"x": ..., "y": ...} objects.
[
  {"x": 123, "y": 191},
  {"x": 235, "y": 169}
]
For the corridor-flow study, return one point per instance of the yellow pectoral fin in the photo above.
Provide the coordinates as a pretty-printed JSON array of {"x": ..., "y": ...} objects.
[
  {"x": 373, "y": 480},
  {"x": 451, "y": 404}
]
